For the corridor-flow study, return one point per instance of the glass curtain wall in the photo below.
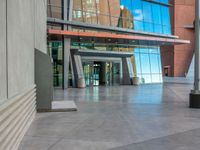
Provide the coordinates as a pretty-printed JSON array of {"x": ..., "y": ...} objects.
[
  {"x": 55, "y": 50},
  {"x": 55, "y": 42},
  {"x": 148, "y": 64},
  {"x": 139, "y": 15}
]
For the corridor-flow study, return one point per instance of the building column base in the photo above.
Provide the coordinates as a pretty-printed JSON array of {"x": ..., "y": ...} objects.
[{"x": 194, "y": 100}]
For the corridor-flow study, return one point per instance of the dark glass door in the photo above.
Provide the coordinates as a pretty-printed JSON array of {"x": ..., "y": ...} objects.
[
  {"x": 96, "y": 74},
  {"x": 101, "y": 73}
]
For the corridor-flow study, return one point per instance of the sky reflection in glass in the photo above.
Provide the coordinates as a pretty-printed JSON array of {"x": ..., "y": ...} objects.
[{"x": 149, "y": 16}]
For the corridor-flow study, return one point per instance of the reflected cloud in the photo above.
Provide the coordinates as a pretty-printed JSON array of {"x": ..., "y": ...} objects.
[{"x": 138, "y": 14}]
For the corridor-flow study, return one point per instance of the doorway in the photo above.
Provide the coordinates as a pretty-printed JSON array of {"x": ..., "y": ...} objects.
[{"x": 99, "y": 73}]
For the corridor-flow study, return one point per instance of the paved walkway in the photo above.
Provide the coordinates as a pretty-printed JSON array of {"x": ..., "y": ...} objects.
[{"x": 148, "y": 117}]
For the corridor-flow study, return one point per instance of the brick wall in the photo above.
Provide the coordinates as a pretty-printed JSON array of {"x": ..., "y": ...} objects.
[{"x": 183, "y": 14}]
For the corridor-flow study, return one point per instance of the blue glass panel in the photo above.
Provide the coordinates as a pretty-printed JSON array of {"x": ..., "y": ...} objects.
[
  {"x": 137, "y": 10},
  {"x": 166, "y": 30},
  {"x": 147, "y": 13},
  {"x": 154, "y": 63},
  {"x": 164, "y": 1},
  {"x": 166, "y": 20},
  {"x": 138, "y": 65},
  {"x": 144, "y": 50},
  {"x": 136, "y": 50},
  {"x": 156, "y": 14},
  {"x": 153, "y": 50},
  {"x": 158, "y": 28},
  {"x": 138, "y": 25},
  {"x": 145, "y": 63},
  {"x": 165, "y": 16},
  {"x": 148, "y": 64},
  {"x": 148, "y": 27}
]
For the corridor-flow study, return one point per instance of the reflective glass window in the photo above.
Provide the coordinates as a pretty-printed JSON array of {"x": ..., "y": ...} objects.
[
  {"x": 147, "y": 13},
  {"x": 148, "y": 64},
  {"x": 134, "y": 14},
  {"x": 138, "y": 63},
  {"x": 145, "y": 63},
  {"x": 114, "y": 6},
  {"x": 103, "y": 12},
  {"x": 154, "y": 63},
  {"x": 55, "y": 51},
  {"x": 164, "y": 1},
  {"x": 148, "y": 27},
  {"x": 138, "y": 25},
  {"x": 165, "y": 20},
  {"x": 89, "y": 5},
  {"x": 137, "y": 10},
  {"x": 156, "y": 13}
]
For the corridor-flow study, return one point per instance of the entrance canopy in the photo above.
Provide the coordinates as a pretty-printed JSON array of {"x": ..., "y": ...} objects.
[
  {"x": 123, "y": 57},
  {"x": 132, "y": 39}
]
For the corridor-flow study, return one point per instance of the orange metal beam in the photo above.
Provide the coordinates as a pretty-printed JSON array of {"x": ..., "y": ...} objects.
[{"x": 116, "y": 36}]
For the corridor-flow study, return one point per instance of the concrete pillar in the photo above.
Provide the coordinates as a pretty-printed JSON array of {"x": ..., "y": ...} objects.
[
  {"x": 195, "y": 93},
  {"x": 67, "y": 45},
  {"x": 103, "y": 73},
  {"x": 127, "y": 71},
  {"x": 77, "y": 67},
  {"x": 67, "y": 14}
]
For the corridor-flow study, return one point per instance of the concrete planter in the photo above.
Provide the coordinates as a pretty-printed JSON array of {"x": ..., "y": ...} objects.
[
  {"x": 81, "y": 83},
  {"x": 136, "y": 81}
]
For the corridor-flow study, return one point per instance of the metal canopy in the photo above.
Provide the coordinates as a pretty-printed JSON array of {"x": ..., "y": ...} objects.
[{"x": 138, "y": 39}]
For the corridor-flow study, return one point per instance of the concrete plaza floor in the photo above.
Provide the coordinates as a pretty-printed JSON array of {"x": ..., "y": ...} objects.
[{"x": 148, "y": 117}]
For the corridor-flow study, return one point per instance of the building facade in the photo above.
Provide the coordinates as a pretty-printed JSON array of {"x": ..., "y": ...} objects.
[
  {"x": 22, "y": 30},
  {"x": 183, "y": 26},
  {"x": 108, "y": 42}
]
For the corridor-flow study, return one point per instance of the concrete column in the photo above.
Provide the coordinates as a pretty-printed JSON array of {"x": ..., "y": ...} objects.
[
  {"x": 77, "y": 67},
  {"x": 103, "y": 73},
  {"x": 3, "y": 53},
  {"x": 195, "y": 93},
  {"x": 127, "y": 71},
  {"x": 67, "y": 43},
  {"x": 68, "y": 5}
]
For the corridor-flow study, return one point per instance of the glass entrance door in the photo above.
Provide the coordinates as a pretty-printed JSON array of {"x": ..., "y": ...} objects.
[
  {"x": 96, "y": 74},
  {"x": 88, "y": 73},
  {"x": 112, "y": 73},
  {"x": 115, "y": 73},
  {"x": 101, "y": 73}
]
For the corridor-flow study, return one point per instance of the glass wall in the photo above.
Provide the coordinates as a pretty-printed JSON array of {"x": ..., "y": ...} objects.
[
  {"x": 148, "y": 64},
  {"x": 55, "y": 50},
  {"x": 139, "y": 15},
  {"x": 146, "y": 60}
]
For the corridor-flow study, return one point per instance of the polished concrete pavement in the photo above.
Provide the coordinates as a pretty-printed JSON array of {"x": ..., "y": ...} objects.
[{"x": 148, "y": 117}]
